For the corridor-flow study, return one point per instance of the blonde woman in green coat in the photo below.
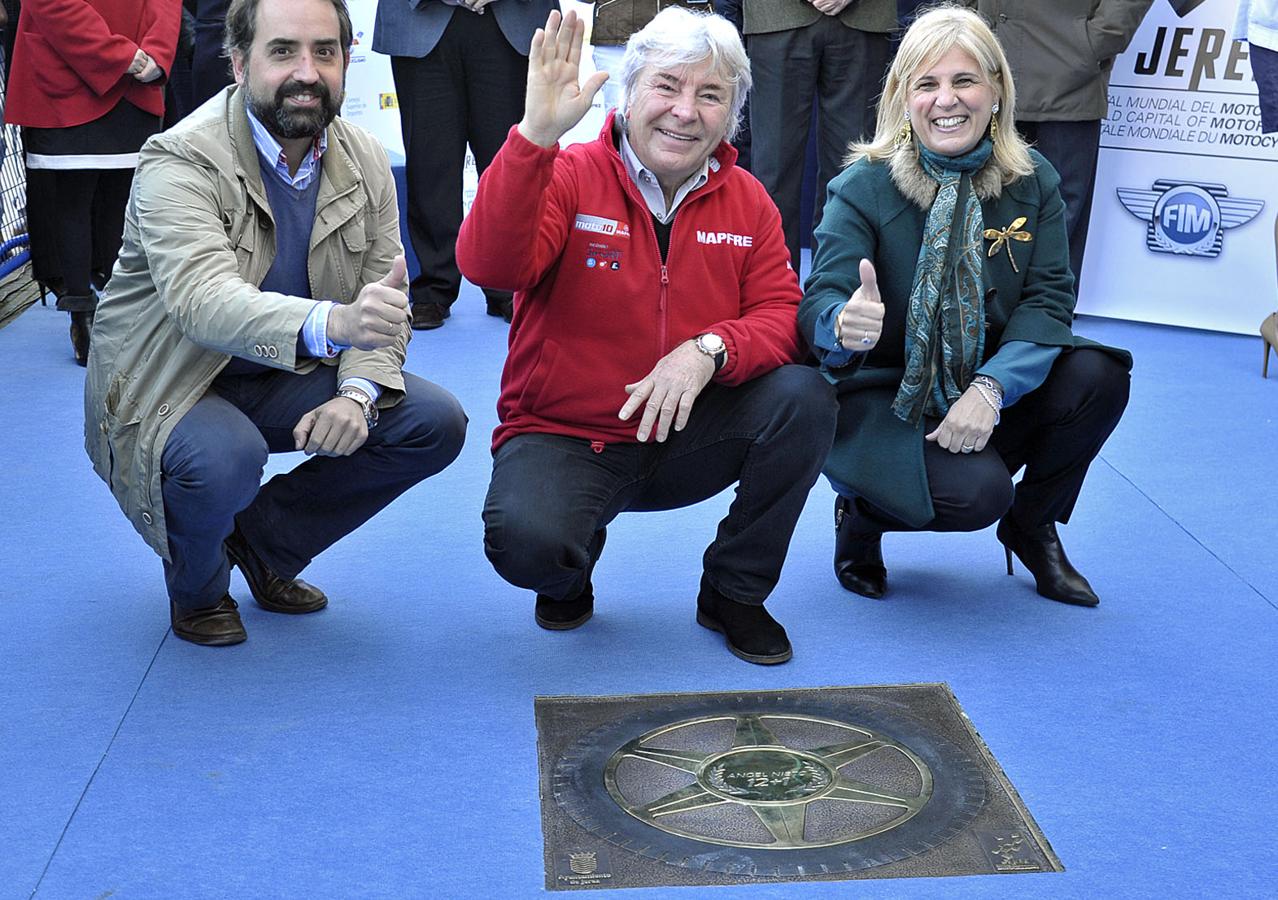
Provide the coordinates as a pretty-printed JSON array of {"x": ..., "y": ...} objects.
[{"x": 940, "y": 304}]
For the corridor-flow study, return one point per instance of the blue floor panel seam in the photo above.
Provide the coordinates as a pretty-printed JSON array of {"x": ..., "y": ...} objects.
[
  {"x": 94, "y": 774},
  {"x": 1210, "y": 552}
]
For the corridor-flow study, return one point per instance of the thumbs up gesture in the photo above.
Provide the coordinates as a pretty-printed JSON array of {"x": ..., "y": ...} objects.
[
  {"x": 376, "y": 317},
  {"x": 860, "y": 322}
]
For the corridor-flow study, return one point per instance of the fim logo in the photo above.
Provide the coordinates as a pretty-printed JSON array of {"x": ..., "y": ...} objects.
[{"x": 1188, "y": 218}]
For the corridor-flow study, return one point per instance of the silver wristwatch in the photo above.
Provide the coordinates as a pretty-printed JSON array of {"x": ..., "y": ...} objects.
[
  {"x": 713, "y": 346},
  {"x": 365, "y": 403}
]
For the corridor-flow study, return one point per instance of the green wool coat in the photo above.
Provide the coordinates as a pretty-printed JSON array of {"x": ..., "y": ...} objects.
[{"x": 866, "y": 215}]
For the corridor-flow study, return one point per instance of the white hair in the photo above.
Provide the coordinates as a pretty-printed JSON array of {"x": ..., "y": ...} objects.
[{"x": 677, "y": 37}]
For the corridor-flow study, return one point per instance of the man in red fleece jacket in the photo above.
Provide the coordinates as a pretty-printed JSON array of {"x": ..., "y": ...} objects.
[{"x": 652, "y": 350}]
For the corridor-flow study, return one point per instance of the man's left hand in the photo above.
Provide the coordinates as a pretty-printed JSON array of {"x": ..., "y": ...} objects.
[
  {"x": 668, "y": 391},
  {"x": 336, "y": 428}
]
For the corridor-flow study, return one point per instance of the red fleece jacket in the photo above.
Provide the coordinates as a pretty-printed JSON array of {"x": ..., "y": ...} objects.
[{"x": 595, "y": 308}]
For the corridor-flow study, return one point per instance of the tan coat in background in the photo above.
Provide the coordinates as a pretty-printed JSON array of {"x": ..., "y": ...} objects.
[{"x": 183, "y": 298}]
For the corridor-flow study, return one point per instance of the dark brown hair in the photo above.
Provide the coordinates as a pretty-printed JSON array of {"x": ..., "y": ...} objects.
[{"x": 241, "y": 26}]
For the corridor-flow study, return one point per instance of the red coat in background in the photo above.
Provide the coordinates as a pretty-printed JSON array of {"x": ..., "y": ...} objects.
[{"x": 71, "y": 58}]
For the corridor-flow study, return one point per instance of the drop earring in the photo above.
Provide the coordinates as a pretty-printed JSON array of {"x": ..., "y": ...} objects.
[
  {"x": 994, "y": 122},
  {"x": 905, "y": 135}
]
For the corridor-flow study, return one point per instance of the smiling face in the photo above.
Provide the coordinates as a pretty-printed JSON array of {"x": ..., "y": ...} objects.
[
  {"x": 950, "y": 103},
  {"x": 295, "y": 71},
  {"x": 676, "y": 118}
]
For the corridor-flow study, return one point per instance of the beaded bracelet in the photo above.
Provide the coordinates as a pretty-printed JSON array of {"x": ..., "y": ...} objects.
[{"x": 986, "y": 386}]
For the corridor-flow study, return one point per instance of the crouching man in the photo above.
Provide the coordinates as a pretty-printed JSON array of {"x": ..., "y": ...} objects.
[
  {"x": 652, "y": 348},
  {"x": 258, "y": 306}
]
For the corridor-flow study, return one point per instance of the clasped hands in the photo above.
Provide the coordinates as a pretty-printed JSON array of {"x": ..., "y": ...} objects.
[
  {"x": 143, "y": 67},
  {"x": 373, "y": 320}
]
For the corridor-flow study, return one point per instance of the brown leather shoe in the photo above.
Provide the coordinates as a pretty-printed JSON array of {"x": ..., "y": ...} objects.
[
  {"x": 272, "y": 592},
  {"x": 211, "y": 626}
]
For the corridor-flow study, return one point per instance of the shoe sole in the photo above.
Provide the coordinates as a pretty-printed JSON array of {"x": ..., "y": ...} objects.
[
  {"x": 201, "y": 641},
  {"x": 564, "y": 626},
  {"x": 705, "y": 621},
  {"x": 863, "y": 593}
]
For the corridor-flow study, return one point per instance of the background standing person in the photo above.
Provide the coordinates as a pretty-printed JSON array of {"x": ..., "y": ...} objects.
[
  {"x": 611, "y": 26},
  {"x": 1062, "y": 52},
  {"x": 460, "y": 67},
  {"x": 87, "y": 84},
  {"x": 833, "y": 51},
  {"x": 210, "y": 67}
]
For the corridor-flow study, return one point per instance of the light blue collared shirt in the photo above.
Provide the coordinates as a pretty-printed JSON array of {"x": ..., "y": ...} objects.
[{"x": 315, "y": 329}]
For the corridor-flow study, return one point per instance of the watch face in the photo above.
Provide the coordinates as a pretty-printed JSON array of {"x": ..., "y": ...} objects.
[{"x": 711, "y": 343}]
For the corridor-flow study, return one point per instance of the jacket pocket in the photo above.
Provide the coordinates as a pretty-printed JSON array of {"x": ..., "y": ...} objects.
[
  {"x": 57, "y": 78},
  {"x": 534, "y": 395}
]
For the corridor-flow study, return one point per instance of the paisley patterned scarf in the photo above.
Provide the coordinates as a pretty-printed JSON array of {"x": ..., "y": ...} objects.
[{"x": 945, "y": 323}]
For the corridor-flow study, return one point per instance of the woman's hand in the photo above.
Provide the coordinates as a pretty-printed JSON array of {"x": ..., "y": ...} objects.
[
  {"x": 860, "y": 322},
  {"x": 968, "y": 425},
  {"x": 555, "y": 101}
]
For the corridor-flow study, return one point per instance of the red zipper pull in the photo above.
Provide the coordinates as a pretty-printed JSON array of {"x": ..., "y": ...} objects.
[{"x": 597, "y": 446}]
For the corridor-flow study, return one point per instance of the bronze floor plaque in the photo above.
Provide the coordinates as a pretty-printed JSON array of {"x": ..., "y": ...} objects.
[{"x": 733, "y": 788}]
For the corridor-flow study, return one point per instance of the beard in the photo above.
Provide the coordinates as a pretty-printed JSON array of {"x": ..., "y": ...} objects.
[{"x": 289, "y": 124}]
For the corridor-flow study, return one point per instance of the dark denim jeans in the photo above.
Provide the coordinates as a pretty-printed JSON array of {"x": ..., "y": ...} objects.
[{"x": 551, "y": 495}]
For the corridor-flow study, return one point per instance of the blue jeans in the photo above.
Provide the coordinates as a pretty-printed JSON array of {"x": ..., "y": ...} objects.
[
  {"x": 551, "y": 496},
  {"x": 212, "y": 470}
]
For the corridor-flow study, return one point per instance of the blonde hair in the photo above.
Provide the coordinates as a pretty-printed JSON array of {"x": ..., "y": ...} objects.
[{"x": 934, "y": 34}]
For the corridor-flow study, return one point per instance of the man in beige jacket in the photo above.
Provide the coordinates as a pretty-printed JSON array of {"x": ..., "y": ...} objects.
[{"x": 258, "y": 306}]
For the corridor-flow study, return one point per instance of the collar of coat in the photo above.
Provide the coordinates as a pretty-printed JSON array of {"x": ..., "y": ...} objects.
[{"x": 919, "y": 188}]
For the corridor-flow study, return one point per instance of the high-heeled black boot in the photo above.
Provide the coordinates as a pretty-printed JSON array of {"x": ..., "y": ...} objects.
[
  {"x": 1040, "y": 550},
  {"x": 858, "y": 555},
  {"x": 81, "y": 329}
]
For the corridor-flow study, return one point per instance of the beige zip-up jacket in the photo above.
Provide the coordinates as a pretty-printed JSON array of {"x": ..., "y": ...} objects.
[{"x": 183, "y": 297}]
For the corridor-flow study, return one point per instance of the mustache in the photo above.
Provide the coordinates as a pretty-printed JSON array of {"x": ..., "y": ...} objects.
[{"x": 293, "y": 88}]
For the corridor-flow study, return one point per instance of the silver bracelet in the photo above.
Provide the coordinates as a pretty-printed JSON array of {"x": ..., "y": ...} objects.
[{"x": 990, "y": 394}]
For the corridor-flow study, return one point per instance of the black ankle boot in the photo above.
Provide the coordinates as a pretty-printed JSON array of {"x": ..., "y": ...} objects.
[
  {"x": 1040, "y": 550},
  {"x": 81, "y": 328},
  {"x": 858, "y": 555},
  {"x": 749, "y": 630}
]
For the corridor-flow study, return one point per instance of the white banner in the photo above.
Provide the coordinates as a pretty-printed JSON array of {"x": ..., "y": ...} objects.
[
  {"x": 370, "y": 89},
  {"x": 1183, "y": 217}
]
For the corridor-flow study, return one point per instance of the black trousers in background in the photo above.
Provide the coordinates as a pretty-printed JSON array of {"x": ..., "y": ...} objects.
[
  {"x": 1054, "y": 432},
  {"x": 468, "y": 89},
  {"x": 842, "y": 69},
  {"x": 1073, "y": 149},
  {"x": 551, "y": 496},
  {"x": 76, "y": 221},
  {"x": 210, "y": 70}
]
